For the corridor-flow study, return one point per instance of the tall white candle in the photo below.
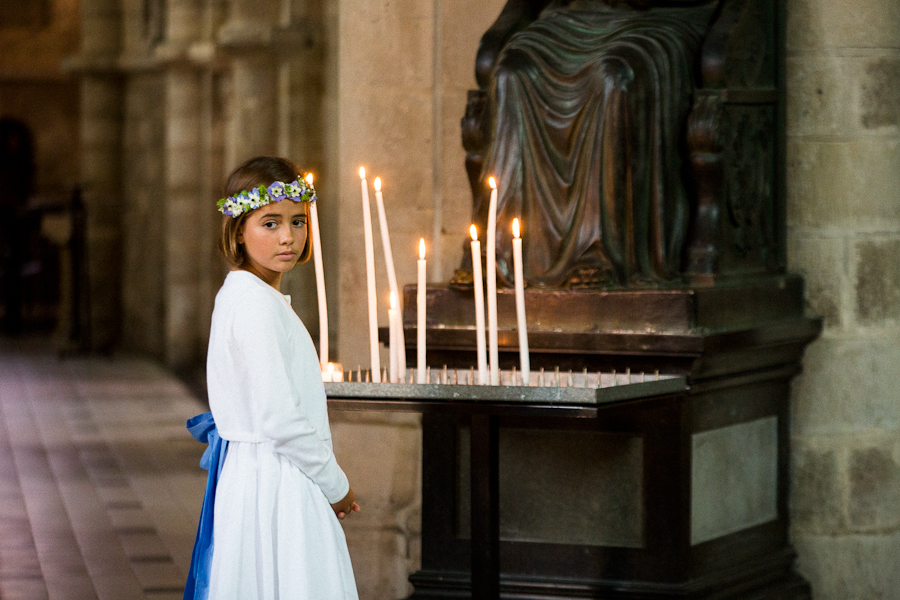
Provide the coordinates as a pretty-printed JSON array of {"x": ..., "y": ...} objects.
[
  {"x": 370, "y": 279},
  {"x": 491, "y": 266},
  {"x": 320, "y": 278},
  {"x": 524, "y": 359},
  {"x": 480, "y": 344},
  {"x": 420, "y": 315},
  {"x": 394, "y": 346},
  {"x": 392, "y": 275}
]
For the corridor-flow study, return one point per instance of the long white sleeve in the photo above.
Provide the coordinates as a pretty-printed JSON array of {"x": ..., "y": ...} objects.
[{"x": 262, "y": 340}]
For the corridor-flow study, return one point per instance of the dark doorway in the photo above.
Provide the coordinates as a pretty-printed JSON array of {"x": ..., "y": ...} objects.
[{"x": 29, "y": 264}]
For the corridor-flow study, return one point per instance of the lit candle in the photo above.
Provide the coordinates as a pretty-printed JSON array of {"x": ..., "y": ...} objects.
[
  {"x": 420, "y": 314},
  {"x": 332, "y": 372},
  {"x": 392, "y": 275},
  {"x": 520, "y": 304},
  {"x": 370, "y": 279},
  {"x": 320, "y": 277},
  {"x": 492, "y": 283},
  {"x": 479, "y": 307},
  {"x": 394, "y": 339}
]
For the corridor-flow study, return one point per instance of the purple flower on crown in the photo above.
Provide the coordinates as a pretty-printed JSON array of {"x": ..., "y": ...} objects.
[{"x": 277, "y": 191}]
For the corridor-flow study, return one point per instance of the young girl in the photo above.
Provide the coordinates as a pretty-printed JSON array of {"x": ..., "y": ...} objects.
[{"x": 281, "y": 492}]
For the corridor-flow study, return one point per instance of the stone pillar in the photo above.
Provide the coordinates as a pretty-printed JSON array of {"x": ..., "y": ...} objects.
[
  {"x": 183, "y": 236},
  {"x": 143, "y": 289},
  {"x": 100, "y": 164},
  {"x": 385, "y": 115},
  {"x": 212, "y": 266},
  {"x": 300, "y": 126},
  {"x": 844, "y": 235},
  {"x": 253, "y": 108},
  {"x": 275, "y": 103},
  {"x": 183, "y": 215},
  {"x": 385, "y": 76},
  {"x": 395, "y": 90},
  {"x": 253, "y": 129},
  {"x": 212, "y": 139}
]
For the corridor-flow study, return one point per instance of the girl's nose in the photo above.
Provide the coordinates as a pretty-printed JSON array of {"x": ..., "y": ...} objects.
[{"x": 287, "y": 236}]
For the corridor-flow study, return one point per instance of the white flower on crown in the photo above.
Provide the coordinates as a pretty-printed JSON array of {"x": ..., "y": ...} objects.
[{"x": 292, "y": 190}]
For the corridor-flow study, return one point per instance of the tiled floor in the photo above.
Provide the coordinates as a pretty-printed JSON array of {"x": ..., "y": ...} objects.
[{"x": 100, "y": 487}]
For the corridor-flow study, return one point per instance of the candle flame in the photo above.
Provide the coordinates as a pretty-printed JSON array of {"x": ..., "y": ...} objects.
[
  {"x": 473, "y": 231},
  {"x": 362, "y": 172},
  {"x": 377, "y": 184},
  {"x": 421, "y": 248},
  {"x": 492, "y": 182},
  {"x": 393, "y": 301},
  {"x": 516, "y": 228},
  {"x": 330, "y": 367},
  {"x": 309, "y": 178}
]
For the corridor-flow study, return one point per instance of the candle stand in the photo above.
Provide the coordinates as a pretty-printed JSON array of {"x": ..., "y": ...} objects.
[
  {"x": 483, "y": 409},
  {"x": 676, "y": 488}
]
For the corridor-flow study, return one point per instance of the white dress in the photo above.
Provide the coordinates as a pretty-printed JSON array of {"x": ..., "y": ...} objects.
[{"x": 275, "y": 534}]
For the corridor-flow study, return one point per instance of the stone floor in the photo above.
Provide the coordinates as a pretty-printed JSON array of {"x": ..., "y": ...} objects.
[{"x": 100, "y": 487}]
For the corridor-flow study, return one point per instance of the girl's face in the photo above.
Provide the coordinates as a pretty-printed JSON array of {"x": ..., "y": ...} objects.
[{"x": 273, "y": 237}]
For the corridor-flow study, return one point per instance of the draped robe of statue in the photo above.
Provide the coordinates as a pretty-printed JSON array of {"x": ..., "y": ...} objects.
[{"x": 589, "y": 105}]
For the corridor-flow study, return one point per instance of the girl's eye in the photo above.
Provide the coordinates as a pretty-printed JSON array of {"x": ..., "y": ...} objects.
[
  {"x": 270, "y": 225},
  {"x": 299, "y": 222}
]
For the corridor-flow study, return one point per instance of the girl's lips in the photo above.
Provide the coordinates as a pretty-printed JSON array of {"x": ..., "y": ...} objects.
[{"x": 287, "y": 255}]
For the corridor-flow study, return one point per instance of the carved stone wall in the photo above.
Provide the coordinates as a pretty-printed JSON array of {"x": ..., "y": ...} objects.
[{"x": 843, "y": 177}]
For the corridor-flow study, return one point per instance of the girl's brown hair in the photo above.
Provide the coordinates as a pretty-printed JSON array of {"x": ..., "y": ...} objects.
[{"x": 261, "y": 170}]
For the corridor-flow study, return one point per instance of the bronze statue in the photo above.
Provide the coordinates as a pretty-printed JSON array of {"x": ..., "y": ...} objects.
[{"x": 582, "y": 119}]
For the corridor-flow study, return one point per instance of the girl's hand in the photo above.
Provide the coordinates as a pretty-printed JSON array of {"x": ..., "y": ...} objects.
[{"x": 346, "y": 505}]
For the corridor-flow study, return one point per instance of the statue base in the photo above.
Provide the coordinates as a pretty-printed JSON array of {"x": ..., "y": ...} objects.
[{"x": 682, "y": 496}]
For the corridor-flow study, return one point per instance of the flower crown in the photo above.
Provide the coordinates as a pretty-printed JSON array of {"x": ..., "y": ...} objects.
[{"x": 245, "y": 201}]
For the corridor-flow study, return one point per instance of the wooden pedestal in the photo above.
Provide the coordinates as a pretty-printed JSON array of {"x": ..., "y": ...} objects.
[{"x": 683, "y": 495}]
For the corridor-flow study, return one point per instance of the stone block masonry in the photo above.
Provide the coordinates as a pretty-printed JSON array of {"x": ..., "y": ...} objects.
[{"x": 844, "y": 236}]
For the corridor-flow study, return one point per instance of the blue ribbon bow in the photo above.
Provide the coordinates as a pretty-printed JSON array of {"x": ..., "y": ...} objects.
[{"x": 203, "y": 428}]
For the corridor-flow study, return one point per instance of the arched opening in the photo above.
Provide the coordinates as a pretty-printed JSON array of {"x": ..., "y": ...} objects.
[{"x": 29, "y": 261}]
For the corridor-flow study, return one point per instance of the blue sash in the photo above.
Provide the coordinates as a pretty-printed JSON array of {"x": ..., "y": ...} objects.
[{"x": 203, "y": 428}]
